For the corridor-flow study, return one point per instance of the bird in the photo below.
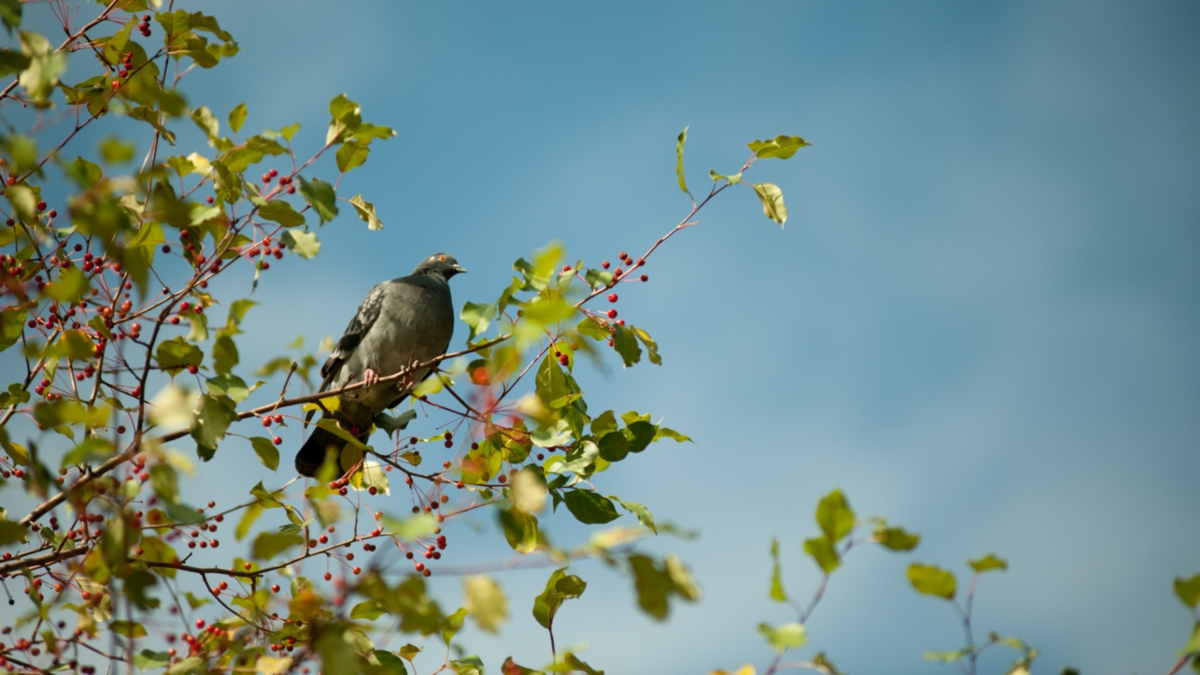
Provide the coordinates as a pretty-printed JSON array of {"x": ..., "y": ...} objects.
[{"x": 401, "y": 321}]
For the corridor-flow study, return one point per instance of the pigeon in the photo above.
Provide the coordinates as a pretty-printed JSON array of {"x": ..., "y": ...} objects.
[{"x": 400, "y": 321}]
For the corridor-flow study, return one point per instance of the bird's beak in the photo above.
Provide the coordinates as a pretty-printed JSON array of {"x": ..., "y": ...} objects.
[{"x": 460, "y": 269}]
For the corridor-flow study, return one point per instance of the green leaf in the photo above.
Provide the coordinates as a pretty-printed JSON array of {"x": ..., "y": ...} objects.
[
  {"x": 129, "y": 629},
  {"x": 560, "y": 587},
  {"x": 589, "y": 507},
  {"x": 366, "y": 212},
  {"x": 932, "y": 580},
  {"x": 788, "y": 636},
  {"x": 10, "y": 12},
  {"x": 1188, "y": 590},
  {"x": 781, "y": 147},
  {"x": 70, "y": 287},
  {"x": 302, "y": 243},
  {"x": 656, "y": 583},
  {"x": 896, "y": 538},
  {"x": 165, "y": 482},
  {"x": 987, "y": 563},
  {"x": 369, "y": 610},
  {"x": 772, "y": 201},
  {"x": 45, "y": 66},
  {"x": 520, "y": 530},
  {"x": 551, "y": 381},
  {"x": 733, "y": 180},
  {"x": 207, "y": 122},
  {"x": 626, "y": 345},
  {"x": 12, "y": 533},
  {"x": 224, "y": 354},
  {"x": 478, "y": 317},
  {"x": 679, "y": 160},
  {"x": 210, "y": 419},
  {"x": 352, "y": 155},
  {"x": 321, "y": 197},
  {"x": 777, "y": 593},
  {"x": 835, "y": 516},
  {"x": 92, "y": 449},
  {"x": 115, "y": 150},
  {"x": 824, "y": 552},
  {"x": 237, "y": 117},
  {"x": 651, "y": 345},
  {"x": 147, "y": 659},
  {"x": 392, "y": 424},
  {"x": 640, "y": 511},
  {"x": 279, "y": 211},
  {"x": 485, "y": 600},
  {"x": 267, "y": 453},
  {"x": 12, "y": 324},
  {"x": 176, "y": 354},
  {"x": 421, "y": 525},
  {"x": 267, "y": 545}
]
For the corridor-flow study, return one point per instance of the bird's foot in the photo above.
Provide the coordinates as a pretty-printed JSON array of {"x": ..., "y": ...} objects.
[{"x": 370, "y": 377}]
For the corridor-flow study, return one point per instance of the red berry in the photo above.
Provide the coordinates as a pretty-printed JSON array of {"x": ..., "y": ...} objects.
[
  {"x": 199, "y": 623},
  {"x": 193, "y": 369},
  {"x": 645, "y": 277},
  {"x": 328, "y": 576},
  {"x": 41, "y": 206},
  {"x": 612, "y": 297},
  {"x": 277, "y": 440},
  {"x": 266, "y": 421},
  {"x": 612, "y": 313},
  {"x": 604, "y": 264}
]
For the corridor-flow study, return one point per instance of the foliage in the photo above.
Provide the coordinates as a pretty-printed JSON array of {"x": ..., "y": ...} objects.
[{"x": 125, "y": 356}]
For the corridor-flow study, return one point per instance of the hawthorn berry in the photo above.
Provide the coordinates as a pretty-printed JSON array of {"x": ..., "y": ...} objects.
[{"x": 612, "y": 297}]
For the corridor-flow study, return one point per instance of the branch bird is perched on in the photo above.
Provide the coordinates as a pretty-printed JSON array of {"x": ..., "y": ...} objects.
[{"x": 400, "y": 321}]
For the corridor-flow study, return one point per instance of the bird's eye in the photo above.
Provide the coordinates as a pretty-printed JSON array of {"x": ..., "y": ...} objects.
[{"x": 442, "y": 258}]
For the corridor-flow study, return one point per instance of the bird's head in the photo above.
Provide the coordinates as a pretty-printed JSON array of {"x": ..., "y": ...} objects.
[{"x": 441, "y": 264}]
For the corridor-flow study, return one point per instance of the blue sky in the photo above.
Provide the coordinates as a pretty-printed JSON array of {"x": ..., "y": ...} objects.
[{"x": 980, "y": 321}]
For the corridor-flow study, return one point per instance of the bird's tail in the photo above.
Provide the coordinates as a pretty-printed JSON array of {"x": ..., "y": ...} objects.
[{"x": 314, "y": 451}]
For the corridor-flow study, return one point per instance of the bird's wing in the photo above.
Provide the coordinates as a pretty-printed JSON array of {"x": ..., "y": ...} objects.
[{"x": 360, "y": 325}]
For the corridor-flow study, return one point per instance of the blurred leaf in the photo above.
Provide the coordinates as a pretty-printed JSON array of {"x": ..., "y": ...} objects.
[
  {"x": 528, "y": 490},
  {"x": 932, "y": 580},
  {"x": 520, "y": 530},
  {"x": 772, "y": 200},
  {"x": 1188, "y": 590},
  {"x": 267, "y": 545},
  {"x": 366, "y": 212},
  {"x": 788, "y": 636},
  {"x": 207, "y": 122},
  {"x": 45, "y": 65},
  {"x": 896, "y": 538},
  {"x": 129, "y": 629},
  {"x": 835, "y": 516},
  {"x": 679, "y": 160},
  {"x": 656, "y": 583},
  {"x": 12, "y": 533},
  {"x": 777, "y": 593},
  {"x": 988, "y": 562},
  {"x": 115, "y": 150},
  {"x": 70, "y": 287},
  {"x": 237, "y": 117},
  {"x": 824, "y": 552},
  {"x": 391, "y": 424},
  {"x": 485, "y": 601},
  {"x": 421, "y": 525},
  {"x": 781, "y": 147},
  {"x": 10, "y": 12},
  {"x": 165, "y": 482}
]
